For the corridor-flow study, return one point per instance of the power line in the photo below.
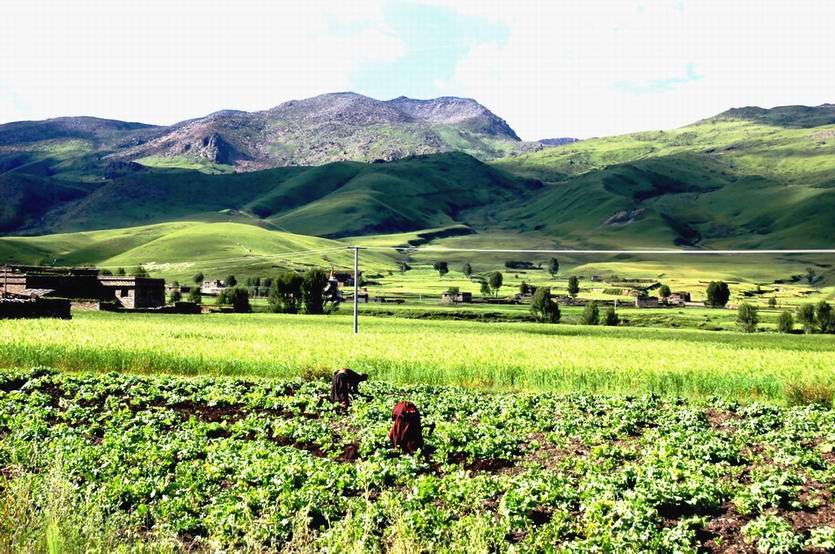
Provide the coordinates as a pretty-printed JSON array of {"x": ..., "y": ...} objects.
[{"x": 598, "y": 251}]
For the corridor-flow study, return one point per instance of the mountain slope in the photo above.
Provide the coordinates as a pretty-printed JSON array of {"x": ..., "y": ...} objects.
[
  {"x": 313, "y": 131},
  {"x": 334, "y": 200},
  {"x": 748, "y": 177}
]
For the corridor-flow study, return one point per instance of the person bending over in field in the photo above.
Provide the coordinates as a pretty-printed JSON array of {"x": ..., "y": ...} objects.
[
  {"x": 345, "y": 384},
  {"x": 406, "y": 431}
]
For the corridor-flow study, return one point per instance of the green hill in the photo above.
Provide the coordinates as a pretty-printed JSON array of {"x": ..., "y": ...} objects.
[
  {"x": 748, "y": 178},
  {"x": 179, "y": 250},
  {"x": 334, "y": 200}
]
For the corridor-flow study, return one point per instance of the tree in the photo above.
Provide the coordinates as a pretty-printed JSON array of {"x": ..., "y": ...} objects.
[
  {"x": 553, "y": 267},
  {"x": 573, "y": 286},
  {"x": 286, "y": 293},
  {"x": 611, "y": 317},
  {"x": 441, "y": 267},
  {"x": 314, "y": 283},
  {"x": 121, "y": 271},
  {"x": 591, "y": 314},
  {"x": 825, "y": 317},
  {"x": 523, "y": 288},
  {"x": 664, "y": 292},
  {"x": 267, "y": 282},
  {"x": 747, "y": 317},
  {"x": 495, "y": 280},
  {"x": 194, "y": 295},
  {"x": 810, "y": 276},
  {"x": 105, "y": 272},
  {"x": 237, "y": 297},
  {"x": 230, "y": 281},
  {"x": 140, "y": 271},
  {"x": 485, "y": 288},
  {"x": 404, "y": 267},
  {"x": 718, "y": 294},
  {"x": 772, "y": 302},
  {"x": 806, "y": 317},
  {"x": 199, "y": 278},
  {"x": 543, "y": 307},
  {"x": 467, "y": 270},
  {"x": 176, "y": 295},
  {"x": 785, "y": 322},
  {"x": 453, "y": 291}
]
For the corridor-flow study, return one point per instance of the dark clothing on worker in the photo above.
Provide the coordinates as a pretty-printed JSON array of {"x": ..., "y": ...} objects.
[
  {"x": 345, "y": 383},
  {"x": 406, "y": 431}
]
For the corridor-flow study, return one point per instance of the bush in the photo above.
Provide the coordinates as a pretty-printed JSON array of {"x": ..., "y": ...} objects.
[
  {"x": 611, "y": 317},
  {"x": 237, "y": 297},
  {"x": 772, "y": 535},
  {"x": 813, "y": 392},
  {"x": 785, "y": 322},
  {"x": 747, "y": 317},
  {"x": 195, "y": 295},
  {"x": 806, "y": 317},
  {"x": 591, "y": 314},
  {"x": 718, "y": 294},
  {"x": 543, "y": 307}
]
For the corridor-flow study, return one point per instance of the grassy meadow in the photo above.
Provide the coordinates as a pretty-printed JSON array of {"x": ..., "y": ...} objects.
[{"x": 498, "y": 356}]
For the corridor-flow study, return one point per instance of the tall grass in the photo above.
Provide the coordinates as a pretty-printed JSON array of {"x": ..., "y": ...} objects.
[{"x": 495, "y": 356}]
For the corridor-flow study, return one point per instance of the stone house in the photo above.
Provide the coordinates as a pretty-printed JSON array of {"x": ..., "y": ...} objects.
[{"x": 456, "y": 298}]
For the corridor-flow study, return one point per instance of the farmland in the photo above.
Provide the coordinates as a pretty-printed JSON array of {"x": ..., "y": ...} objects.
[
  {"x": 114, "y": 462},
  {"x": 496, "y": 356}
]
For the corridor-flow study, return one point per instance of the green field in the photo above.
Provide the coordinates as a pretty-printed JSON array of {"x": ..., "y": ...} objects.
[
  {"x": 121, "y": 463},
  {"x": 499, "y": 356}
]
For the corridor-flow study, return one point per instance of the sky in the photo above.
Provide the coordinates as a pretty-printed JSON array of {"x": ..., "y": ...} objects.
[{"x": 551, "y": 68}]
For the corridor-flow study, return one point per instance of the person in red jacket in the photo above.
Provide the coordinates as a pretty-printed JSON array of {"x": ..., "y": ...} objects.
[{"x": 406, "y": 431}]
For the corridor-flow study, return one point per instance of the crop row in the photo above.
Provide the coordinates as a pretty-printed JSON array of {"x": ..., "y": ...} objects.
[{"x": 102, "y": 461}]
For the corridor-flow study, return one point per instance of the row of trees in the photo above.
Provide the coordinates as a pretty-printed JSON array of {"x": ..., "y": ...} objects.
[
  {"x": 292, "y": 293},
  {"x": 545, "y": 309},
  {"x": 467, "y": 269},
  {"x": 818, "y": 318}
]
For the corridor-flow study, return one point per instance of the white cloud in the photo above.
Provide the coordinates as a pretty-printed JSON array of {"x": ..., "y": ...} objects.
[
  {"x": 163, "y": 60},
  {"x": 585, "y": 68}
]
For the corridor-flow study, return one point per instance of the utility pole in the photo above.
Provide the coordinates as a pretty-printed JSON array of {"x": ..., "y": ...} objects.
[
  {"x": 5, "y": 280},
  {"x": 356, "y": 288}
]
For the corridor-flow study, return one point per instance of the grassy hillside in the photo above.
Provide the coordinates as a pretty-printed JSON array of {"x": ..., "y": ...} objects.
[{"x": 179, "y": 250}]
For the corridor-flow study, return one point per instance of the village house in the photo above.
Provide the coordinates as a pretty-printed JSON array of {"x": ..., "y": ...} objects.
[
  {"x": 679, "y": 298},
  {"x": 644, "y": 301},
  {"x": 82, "y": 284},
  {"x": 212, "y": 288},
  {"x": 456, "y": 297},
  {"x": 342, "y": 278}
]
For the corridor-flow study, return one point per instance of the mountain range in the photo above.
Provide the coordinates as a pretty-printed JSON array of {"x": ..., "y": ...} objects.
[{"x": 344, "y": 165}]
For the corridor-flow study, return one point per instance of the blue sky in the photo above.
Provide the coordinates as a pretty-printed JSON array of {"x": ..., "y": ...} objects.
[{"x": 549, "y": 67}]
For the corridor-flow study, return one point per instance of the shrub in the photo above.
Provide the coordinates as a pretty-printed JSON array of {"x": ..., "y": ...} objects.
[
  {"x": 810, "y": 392},
  {"x": 611, "y": 317},
  {"x": 806, "y": 317},
  {"x": 718, "y": 294},
  {"x": 573, "y": 286},
  {"x": 543, "y": 307},
  {"x": 591, "y": 314},
  {"x": 785, "y": 322},
  {"x": 237, "y": 297},
  {"x": 747, "y": 317},
  {"x": 195, "y": 295}
]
